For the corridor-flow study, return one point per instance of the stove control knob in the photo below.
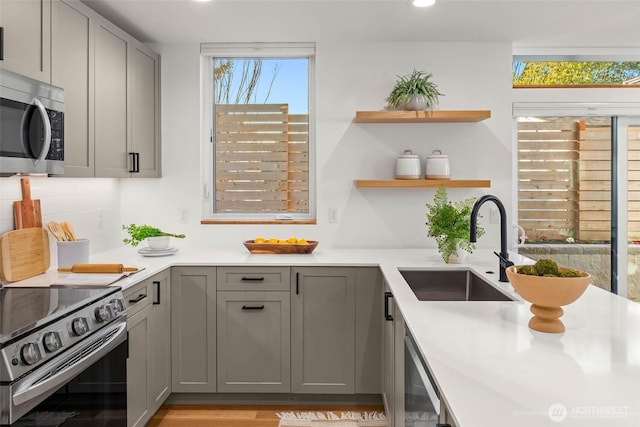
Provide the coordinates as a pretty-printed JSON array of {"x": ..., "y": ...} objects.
[
  {"x": 52, "y": 341},
  {"x": 79, "y": 326},
  {"x": 30, "y": 353},
  {"x": 118, "y": 305},
  {"x": 103, "y": 313}
]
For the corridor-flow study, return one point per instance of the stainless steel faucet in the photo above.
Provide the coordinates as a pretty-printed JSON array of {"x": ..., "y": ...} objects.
[{"x": 504, "y": 254}]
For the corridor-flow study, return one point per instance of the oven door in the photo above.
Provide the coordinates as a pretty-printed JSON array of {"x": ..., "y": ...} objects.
[{"x": 85, "y": 386}]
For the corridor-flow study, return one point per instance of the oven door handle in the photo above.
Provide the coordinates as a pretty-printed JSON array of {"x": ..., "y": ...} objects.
[{"x": 30, "y": 391}]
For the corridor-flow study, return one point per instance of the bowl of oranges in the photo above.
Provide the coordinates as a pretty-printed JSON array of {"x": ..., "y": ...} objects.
[{"x": 292, "y": 245}]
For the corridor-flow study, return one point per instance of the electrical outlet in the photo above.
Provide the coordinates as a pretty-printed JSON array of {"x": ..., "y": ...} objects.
[
  {"x": 494, "y": 216},
  {"x": 333, "y": 215},
  {"x": 184, "y": 216}
]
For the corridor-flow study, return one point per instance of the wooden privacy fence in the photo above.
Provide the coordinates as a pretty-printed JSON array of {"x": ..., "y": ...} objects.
[
  {"x": 261, "y": 159},
  {"x": 564, "y": 181}
]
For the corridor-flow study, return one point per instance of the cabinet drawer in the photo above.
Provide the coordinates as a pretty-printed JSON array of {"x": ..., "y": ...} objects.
[
  {"x": 253, "y": 278},
  {"x": 138, "y": 297}
]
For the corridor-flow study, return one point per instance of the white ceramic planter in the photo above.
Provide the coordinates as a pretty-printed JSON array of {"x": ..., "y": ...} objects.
[{"x": 158, "y": 242}]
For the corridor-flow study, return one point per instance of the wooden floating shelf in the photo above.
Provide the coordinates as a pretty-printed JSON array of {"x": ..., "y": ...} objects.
[
  {"x": 437, "y": 116},
  {"x": 423, "y": 183}
]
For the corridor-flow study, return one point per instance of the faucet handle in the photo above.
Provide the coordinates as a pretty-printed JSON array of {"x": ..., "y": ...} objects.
[{"x": 504, "y": 262}]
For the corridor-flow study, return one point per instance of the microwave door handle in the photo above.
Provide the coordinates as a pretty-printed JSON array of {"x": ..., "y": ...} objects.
[{"x": 47, "y": 130}]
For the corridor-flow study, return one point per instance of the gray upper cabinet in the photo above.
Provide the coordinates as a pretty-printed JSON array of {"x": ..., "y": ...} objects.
[
  {"x": 193, "y": 329},
  {"x": 111, "y": 83},
  {"x": 112, "y": 105},
  {"x": 253, "y": 342},
  {"x": 145, "y": 112},
  {"x": 27, "y": 42},
  {"x": 72, "y": 68},
  {"x": 323, "y": 330}
]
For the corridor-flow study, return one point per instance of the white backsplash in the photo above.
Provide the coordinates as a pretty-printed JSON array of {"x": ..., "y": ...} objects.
[{"x": 91, "y": 205}]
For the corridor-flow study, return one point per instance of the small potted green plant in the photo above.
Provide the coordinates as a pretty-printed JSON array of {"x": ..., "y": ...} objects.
[
  {"x": 156, "y": 238},
  {"x": 414, "y": 92},
  {"x": 449, "y": 224}
]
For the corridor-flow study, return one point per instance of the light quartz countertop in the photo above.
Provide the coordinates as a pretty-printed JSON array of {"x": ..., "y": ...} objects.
[{"x": 491, "y": 369}]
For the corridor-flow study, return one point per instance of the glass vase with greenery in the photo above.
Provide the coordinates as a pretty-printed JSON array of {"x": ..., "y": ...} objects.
[{"x": 449, "y": 224}]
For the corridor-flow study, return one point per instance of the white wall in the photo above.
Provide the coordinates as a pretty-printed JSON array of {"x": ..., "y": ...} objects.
[
  {"x": 349, "y": 77},
  {"x": 90, "y": 205}
]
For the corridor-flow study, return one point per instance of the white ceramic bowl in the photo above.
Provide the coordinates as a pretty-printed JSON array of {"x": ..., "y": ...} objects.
[{"x": 158, "y": 242}]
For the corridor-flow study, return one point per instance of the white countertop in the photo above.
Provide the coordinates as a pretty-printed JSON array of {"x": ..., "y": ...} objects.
[{"x": 489, "y": 366}]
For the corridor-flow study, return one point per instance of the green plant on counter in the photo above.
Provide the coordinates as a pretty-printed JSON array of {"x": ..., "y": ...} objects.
[
  {"x": 449, "y": 224},
  {"x": 139, "y": 233},
  {"x": 414, "y": 85}
]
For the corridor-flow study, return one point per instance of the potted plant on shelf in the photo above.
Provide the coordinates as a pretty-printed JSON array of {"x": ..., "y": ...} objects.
[
  {"x": 156, "y": 238},
  {"x": 449, "y": 224},
  {"x": 414, "y": 92}
]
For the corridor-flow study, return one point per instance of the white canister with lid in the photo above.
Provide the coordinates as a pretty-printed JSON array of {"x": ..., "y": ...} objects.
[
  {"x": 408, "y": 166},
  {"x": 437, "y": 166}
]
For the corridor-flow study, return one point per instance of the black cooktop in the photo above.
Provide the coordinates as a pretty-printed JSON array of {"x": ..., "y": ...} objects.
[{"x": 25, "y": 310}]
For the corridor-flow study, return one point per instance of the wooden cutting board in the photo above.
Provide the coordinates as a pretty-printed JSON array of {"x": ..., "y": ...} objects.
[
  {"x": 26, "y": 212},
  {"x": 23, "y": 254}
]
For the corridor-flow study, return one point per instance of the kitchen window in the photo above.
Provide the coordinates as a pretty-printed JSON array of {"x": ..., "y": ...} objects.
[
  {"x": 574, "y": 71},
  {"x": 259, "y": 132}
]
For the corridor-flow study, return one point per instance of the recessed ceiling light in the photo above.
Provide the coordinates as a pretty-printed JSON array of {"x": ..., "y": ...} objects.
[{"x": 423, "y": 3}]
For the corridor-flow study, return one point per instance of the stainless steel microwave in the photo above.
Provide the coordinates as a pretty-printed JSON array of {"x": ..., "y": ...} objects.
[{"x": 31, "y": 126}]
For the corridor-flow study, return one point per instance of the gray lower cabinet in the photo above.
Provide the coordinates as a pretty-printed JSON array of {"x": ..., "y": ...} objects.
[
  {"x": 193, "y": 329},
  {"x": 148, "y": 364},
  {"x": 138, "y": 300},
  {"x": 369, "y": 325},
  {"x": 159, "y": 341},
  {"x": 393, "y": 360},
  {"x": 323, "y": 330},
  {"x": 253, "y": 342}
]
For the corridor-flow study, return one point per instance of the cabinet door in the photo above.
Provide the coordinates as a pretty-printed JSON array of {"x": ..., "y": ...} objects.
[
  {"x": 27, "y": 37},
  {"x": 111, "y": 101},
  {"x": 398, "y": 366},
  {"x": 368, "y": 331},
  {"x": 193, "y": 329},
  {"x": 137, "y": 394},
  {"x": 253, "y": 342},
  {"x": 145, "y": 110},
  {"x": 160, "y": 342},
  {"x": 323, "y": 330},
  {"x": 72, "y": 69},
  {"x": 388, "y": 359}
]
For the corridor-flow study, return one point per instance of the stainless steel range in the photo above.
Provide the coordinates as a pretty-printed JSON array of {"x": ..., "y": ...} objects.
[{"x": 62, "y": 356}]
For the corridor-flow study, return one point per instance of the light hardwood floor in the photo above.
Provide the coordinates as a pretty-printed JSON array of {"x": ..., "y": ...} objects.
[{"x": 238, "y": 415}]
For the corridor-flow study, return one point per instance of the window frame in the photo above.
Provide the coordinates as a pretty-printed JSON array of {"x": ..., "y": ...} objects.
[{"x": 252, "y": 50}]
